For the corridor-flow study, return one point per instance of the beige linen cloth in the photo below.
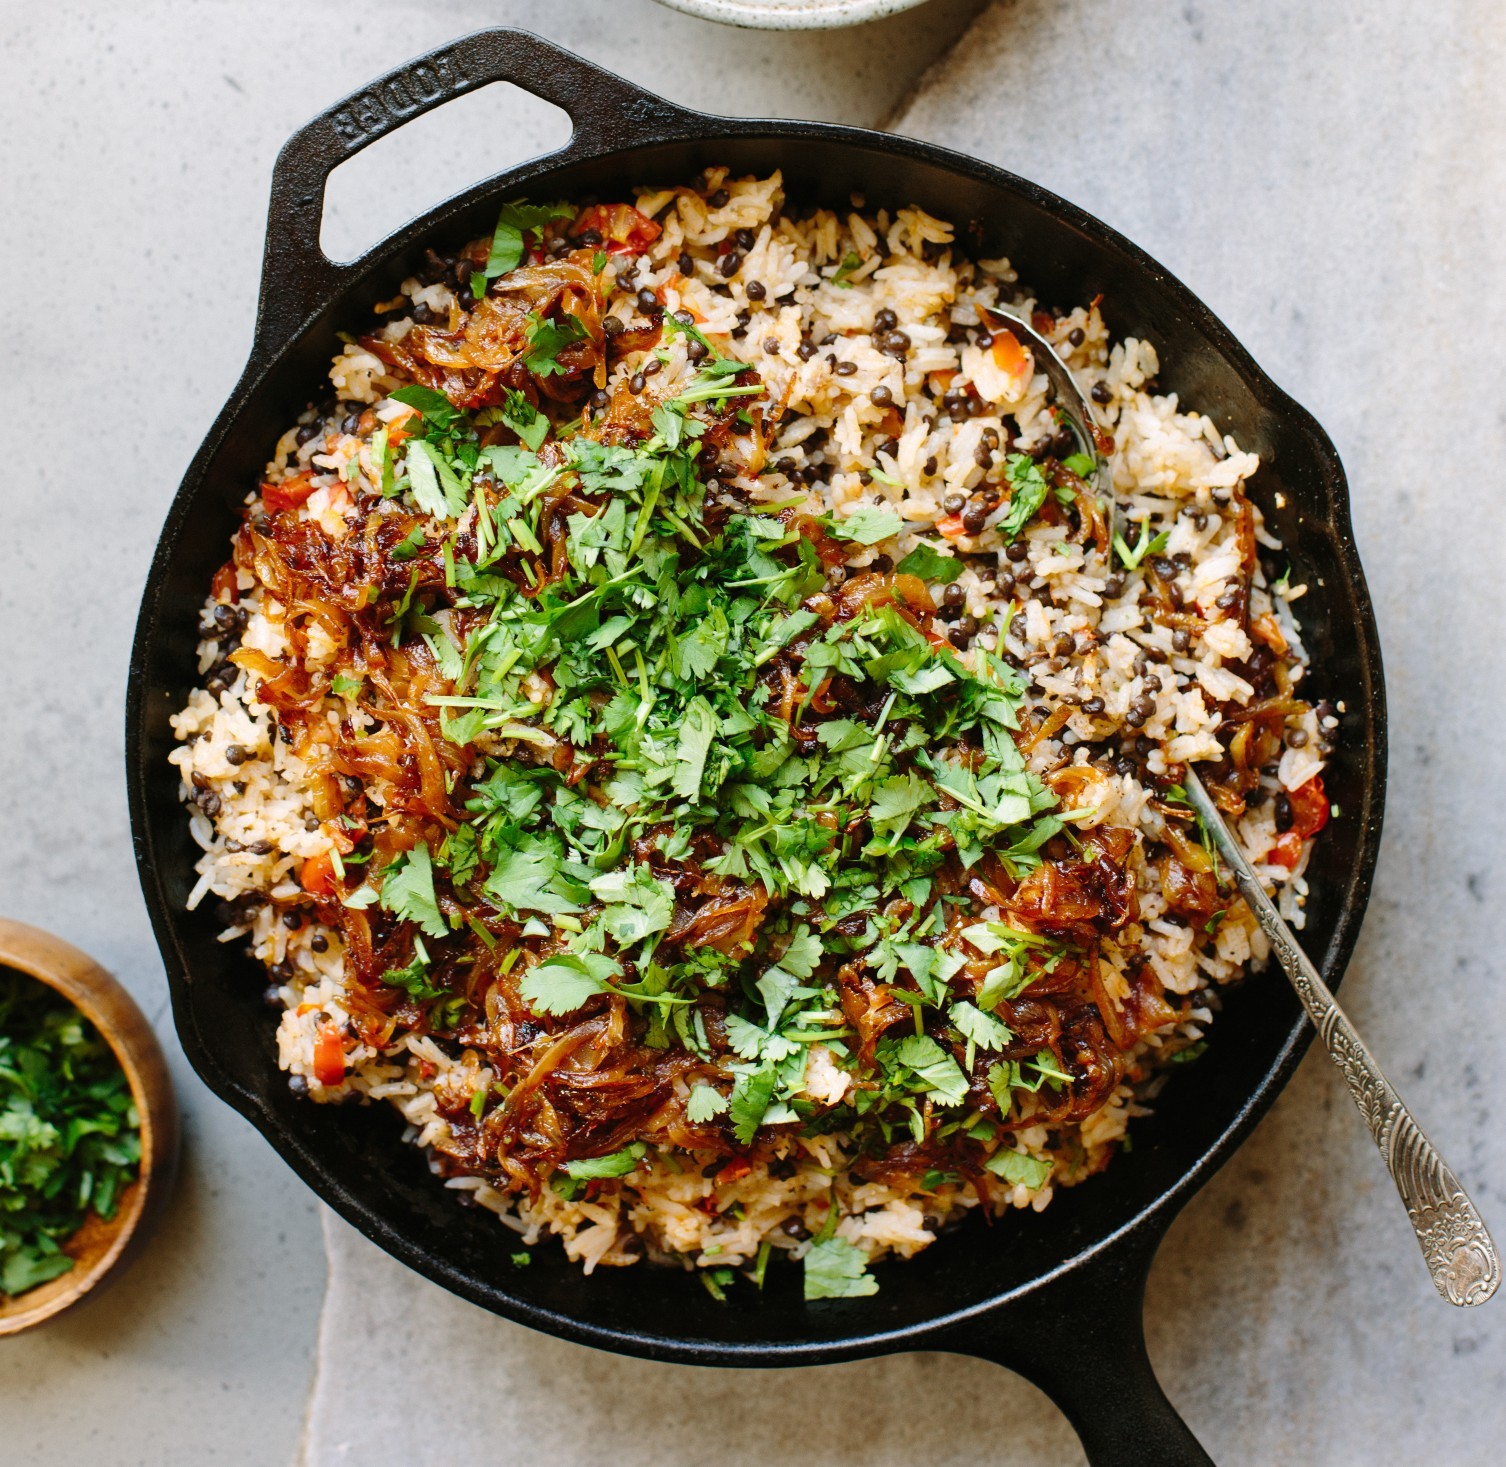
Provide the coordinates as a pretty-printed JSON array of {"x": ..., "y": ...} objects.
[{"x": 1332, "y": 180}]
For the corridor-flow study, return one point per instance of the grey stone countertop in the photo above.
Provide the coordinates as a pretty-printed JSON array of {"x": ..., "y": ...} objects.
[{"x": 1328, "y": 178}]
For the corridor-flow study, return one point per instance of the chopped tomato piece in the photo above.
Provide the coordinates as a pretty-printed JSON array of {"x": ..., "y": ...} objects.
[
  {"x": 1309, "y": 807},
  {"x": 329, "y": 1055},
  {"x": 623, "y": 230},
  {"x": 1287, "y": 851},
  {"x": 1009, "y": 355},
  {"x": 289, "y": 494},
  {"x": 317, "y": 875},
  {"x": 735, "y": 1170}
]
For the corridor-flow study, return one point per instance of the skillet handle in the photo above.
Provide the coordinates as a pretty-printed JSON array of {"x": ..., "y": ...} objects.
[
  {"x": 1081, "y": 1339},
  {"x": 607, "y": 113}
]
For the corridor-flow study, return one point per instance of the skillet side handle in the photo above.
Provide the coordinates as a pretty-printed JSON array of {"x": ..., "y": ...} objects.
[
  {"x": 1081, "y": 1339},
  {"x": 606, "y": 113}
]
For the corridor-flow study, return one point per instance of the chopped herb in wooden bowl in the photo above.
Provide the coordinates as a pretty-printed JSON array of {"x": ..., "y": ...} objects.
[{"x": 70, "y": 1141}]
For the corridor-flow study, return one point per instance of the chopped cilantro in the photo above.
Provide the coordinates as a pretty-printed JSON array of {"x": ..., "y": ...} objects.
[
  {"x": 982, "y": 1029},
  {"x": 547, "y": 339},
  {"x": 435, "y": 406},
  {"x": 750, "y": 1101},
  {"x": 867, "y": 524},
  {"x": 1028, "y": 491},
  {"x": 408, "y": 892},
  {"x": 930, "y": 565},
  {"x": 618, "y": 1164},
  {"x": 837, "y": 1269},
  {"x": 850, "y": 262},
  {"x": 1146, "y": 545},
  {"x": 69, "y": 1133},
  {"x": 561, "y": 985},
  {"x": 516, "y": 220},
  {"x": 1016, "y": 1167},
  {"x": 705, "y": 1102}
]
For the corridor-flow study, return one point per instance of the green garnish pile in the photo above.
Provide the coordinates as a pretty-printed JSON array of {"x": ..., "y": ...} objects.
[
  {"x": 657, "y": 642},
  {"x": 69, "y": 1133}
]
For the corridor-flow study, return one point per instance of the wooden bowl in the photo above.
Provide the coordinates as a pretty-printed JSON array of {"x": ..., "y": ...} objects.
[{"x": 100, "y": 1248}]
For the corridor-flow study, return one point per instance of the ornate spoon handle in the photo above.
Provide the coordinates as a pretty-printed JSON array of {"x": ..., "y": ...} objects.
[{"x": 1458, "y": 1250}]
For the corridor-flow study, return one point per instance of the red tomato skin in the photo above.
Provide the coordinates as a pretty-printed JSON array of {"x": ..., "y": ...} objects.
[
  {"x": 623, "y": 230},
  {"x": 289, "y": 494},
  {"x": 329, "y": 1056},
  {"x": 317, "y": 875},
  {"x": 1309, "y": 807},
  {"x": 1286, "y": 852}
]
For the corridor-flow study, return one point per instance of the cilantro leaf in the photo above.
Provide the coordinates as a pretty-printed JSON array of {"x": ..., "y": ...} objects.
[
  {"x": 69, "y": 1133},
  {"x": 938, "y": 1074},
  {"x": 1015, "y": 1167},
  {"x": 982, "y": 1029},
  {"x": 1028, "y": 491},
  {"x": 410, "y": 544},
  {"x": 514, "y": 221},
  {"x": 897, "y": 800},
  {"x": 435, "y": 406},
  {"x": 704, "y": 1103},
  {"x": 697, "y": 730},
  {"x": 527, "y": 878},
  {"x": 437, "y": 489},
  {"x": 560, "y": 985},
  {"x": 750, "y": 1101},
  {"x": 837, "y": 1269},
  {"x": 413, "y": 978},
  {"x": 547, "y": 339},
  {"x": 618, "y": 1164},
  {"x": 777, "y": 988},
  {"x": 638, "y": 903},
  {"x": 408, "y": 892},
  {"x": 930, "y": 565},
  {"x": 531, "y": 426},
  {"x": 867, "y": 524},
  {"x": 802, "y": 954},
  {"x": 1147, "y": 545}
]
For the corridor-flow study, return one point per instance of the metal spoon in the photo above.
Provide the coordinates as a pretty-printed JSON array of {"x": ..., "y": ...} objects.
[
  {"x": 1456, "y": 1246},
  {"x": 1070, "y": 402}
]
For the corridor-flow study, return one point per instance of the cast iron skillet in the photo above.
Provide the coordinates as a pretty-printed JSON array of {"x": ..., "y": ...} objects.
[{"x": 1056, "y": 1297}]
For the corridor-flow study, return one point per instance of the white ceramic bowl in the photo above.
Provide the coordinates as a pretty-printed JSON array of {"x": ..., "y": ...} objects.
[{"x": 792, "y": 15}]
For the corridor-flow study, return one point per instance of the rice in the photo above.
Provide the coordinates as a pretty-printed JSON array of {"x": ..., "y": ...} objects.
[{"x": 871, "y": 333}]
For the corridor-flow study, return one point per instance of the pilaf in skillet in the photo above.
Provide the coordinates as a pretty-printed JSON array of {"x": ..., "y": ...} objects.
[{"x": 678, "y": 725}]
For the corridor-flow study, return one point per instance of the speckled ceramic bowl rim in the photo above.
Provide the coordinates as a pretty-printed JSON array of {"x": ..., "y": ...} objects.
[{"x": 812, "y": 15}]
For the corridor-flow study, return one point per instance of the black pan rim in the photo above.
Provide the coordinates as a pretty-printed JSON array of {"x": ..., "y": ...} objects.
[{"x": 1154, "y": 1217}]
